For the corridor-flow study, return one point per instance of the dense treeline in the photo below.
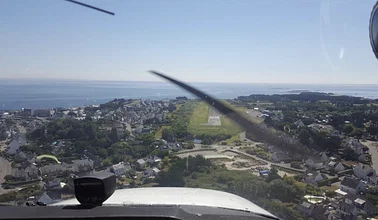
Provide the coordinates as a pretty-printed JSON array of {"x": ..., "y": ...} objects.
[
  {"x": 305, "y": 96},
  {"x": 179, "y": 122},
  {"x": 92, "y": 136},
  {"x": 22, "y": 194},
  {"x": 348, "y": 116}
]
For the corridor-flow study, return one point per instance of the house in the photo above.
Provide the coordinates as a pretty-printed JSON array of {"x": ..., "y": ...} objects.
[
  {"x": 313, "y": 178},
  {"x": 156, "y": 171},
  {"x": 18, "y": 141},
  {"x": 50, "y": 197},
  {"x": 356, "y": 146},
  {"x": 54, "y": 184},
  {"x": 363, "y": 171},
  {"x": 347, "y": 211},
  {"x": 75, "y": 166},
  {"x": 318, "y": 212},
  {"x": 45, "y": 199},
  {"x": 153, "y": 160},
  {"x": 280, "y": 157},
  {"x": 335, "y": 166},
  {"x": 42, "y": 112},
  {"x": 148, "y": 173},
  {"x": 360, "y": 202},
  {"x": 82, "y": 165},
  {"x": 362, "y": 205},
  {"x": 141, "y": 163},
  {"x": 352, "y": 186},
  {"x": 52, "y": 169},
  {"x": 57, "y": 146},
  {"x": 305, "y": 208},
  {"x": 314, "y": 163},
  {"x": 299, "y": 123},
  {"x": 332, "y": 215},
  {"x": 365, "y": 206},
  {"x": 120, "y": 169},
  {"x": 96, "y": 159},
  {"x": 323, "y": 157},
  {"x": 339, "y": 167},
  {"x": 29, "y": 173}
]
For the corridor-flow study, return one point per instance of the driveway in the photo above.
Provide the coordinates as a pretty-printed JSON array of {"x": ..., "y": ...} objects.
[
  {"x": 373, "y": 150},
  {"x": 5, "y": 169}
]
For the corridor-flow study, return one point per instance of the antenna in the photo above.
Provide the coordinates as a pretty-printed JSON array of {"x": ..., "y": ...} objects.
[{"x": 89, "y": 6}]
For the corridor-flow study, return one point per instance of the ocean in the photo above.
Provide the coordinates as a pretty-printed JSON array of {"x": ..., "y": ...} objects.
[{"x": 16, "y": 94}]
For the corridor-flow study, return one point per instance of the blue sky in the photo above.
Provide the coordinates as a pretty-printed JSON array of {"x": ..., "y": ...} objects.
[{"x": 274, "y": 41}]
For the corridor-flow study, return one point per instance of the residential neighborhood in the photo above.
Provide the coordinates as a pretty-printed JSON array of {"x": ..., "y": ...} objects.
[{"x": 138, "y": 139}]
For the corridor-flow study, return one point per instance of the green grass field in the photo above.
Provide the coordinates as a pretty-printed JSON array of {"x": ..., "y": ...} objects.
[
  {"x": 199, "y": 119},
  {"x": 158, "y": 134}
]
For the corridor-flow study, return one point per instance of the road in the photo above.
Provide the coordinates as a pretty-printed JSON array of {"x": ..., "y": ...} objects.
[
  {"x": 5, "y": 169},
  {"x": 373, "y": 150}
]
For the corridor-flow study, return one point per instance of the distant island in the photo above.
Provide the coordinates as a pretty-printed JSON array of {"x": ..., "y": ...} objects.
[{"x": 298, "y": 91}]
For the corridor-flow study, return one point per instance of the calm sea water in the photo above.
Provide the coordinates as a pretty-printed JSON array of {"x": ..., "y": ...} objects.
[{"x": 17, "y": 94}]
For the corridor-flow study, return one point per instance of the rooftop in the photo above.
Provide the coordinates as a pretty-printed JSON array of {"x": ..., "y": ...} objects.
[{"x": 349, "y": 182}]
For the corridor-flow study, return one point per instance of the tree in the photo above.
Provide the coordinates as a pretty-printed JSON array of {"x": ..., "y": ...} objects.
[
  {"x": 104, "y": 143},
  {"x": 132, "y": 184},
  {"x": 348, "y": 129},
  {"x": 113, "y": 136},
  {"x": 168, "y": 135},
  {"x": 8, "y": 177},
  {"x": 350, "y": 154},
  {"x": 147, "y": 139},
  {"x": 174, "y": 177},
  {"x": 127, "y": 133},
  {"x": 280, "y": 190},
  {"x": 304, "y": 136},
  {"x": 206, "y": 141},
  {"x": 357, "y": 132},
  {"x": 107, "y": 162}
]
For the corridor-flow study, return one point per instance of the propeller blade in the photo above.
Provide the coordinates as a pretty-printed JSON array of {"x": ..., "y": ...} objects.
[
  {"x": 258, "y": 130},
  {"x": 92, "y": 7}
]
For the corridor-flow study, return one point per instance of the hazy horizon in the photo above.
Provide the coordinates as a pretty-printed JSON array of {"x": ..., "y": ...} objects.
[
  {"x": 166, "y": 82},
  {"x": 270, "y": 42}
]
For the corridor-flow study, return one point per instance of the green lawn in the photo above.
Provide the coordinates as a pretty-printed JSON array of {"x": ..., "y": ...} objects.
[
  {"x": 158, "y": 134},
  {"x": 234, "y": 138},
  {"x": 199, "y": 118}
]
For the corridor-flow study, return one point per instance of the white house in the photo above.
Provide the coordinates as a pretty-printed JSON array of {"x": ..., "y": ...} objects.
[
  {"x": 314, "y": 163},
  {"x": 141, "y": 163},
  {"x": 156, "y": 171},
  {"x": 120, "y": 169},
  {"x": 352, "y": 186},
  {"x": 363, "y": 171}
]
